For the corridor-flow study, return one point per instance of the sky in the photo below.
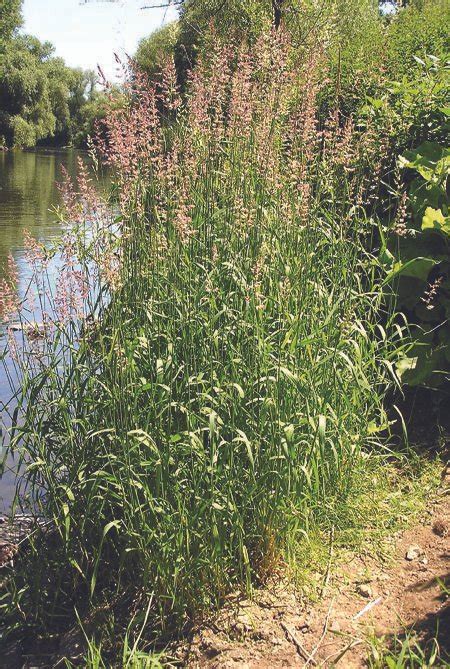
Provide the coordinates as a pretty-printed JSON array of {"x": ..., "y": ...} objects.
[{"x": 86, "y": 33}]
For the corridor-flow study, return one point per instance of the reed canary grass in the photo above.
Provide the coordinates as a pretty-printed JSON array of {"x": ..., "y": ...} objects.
[{"x": 185, "y": 440}]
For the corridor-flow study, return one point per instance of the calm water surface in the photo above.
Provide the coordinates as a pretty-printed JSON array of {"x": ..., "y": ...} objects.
[{"x": 28, "y": 196}]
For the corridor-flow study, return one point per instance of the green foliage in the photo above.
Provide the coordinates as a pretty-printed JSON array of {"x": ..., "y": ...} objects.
[
  {"x": 348, "y": 32},
  {"x": 246, "y": 18},
  {"x": 419, "y": 262},
  {"x": 235, "y": 19},
  {"x": 418, "y": 30},
  {"x": 413, "y": 109},
  {"x": 155, "y": 49},
  {"x": 23, "y": 132},
  {"x": 219, "y": 409},
  {"x": 406, "y": 652},
  {"x": 10, "y": 18},
  {"x": 40, "y": 97},
  {"x": 126, "y": 653},
  {"x": 70, "y": 89},
  {"x": 89, "y": 117},
  {"x": 353, "y": 33},
  {"x": 24, "y": 94},
  {"x": 214, "y": 401}
]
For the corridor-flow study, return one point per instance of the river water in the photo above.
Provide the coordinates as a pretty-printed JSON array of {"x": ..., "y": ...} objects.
[{"x": 28, "y": 196}]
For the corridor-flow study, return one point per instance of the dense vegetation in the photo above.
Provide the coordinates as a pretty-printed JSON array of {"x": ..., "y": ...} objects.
[
  {"x": 207, "y": 391},
  {"x": 41, "y": 98}
]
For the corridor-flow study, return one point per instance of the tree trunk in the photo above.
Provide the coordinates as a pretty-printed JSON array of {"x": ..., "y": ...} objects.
[{"x": 276, "y": 4}]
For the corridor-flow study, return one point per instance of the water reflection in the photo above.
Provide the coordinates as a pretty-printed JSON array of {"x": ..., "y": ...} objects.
[
  {"x": 28, "y": 191},
  {"x": 28, "y": 197}
]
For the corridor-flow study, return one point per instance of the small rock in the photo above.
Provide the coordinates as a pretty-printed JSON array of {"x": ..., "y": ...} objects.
[
  {"x": 244, "y": 621},
  {"x": 424, "y": 560},
  {"x": 7, "y": 552},
  {"x": 414, "y": 551},
  {"x": 364, "y": 590},
  {"x": 440, "y": 527},
  {"x": 3, "y": 520},
  {"x": 335, "y": 626}
]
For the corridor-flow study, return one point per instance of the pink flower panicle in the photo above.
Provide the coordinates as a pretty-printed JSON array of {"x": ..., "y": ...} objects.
[
  {"x": 35, "y": 252},
  {"x": 9, "y": 303}
]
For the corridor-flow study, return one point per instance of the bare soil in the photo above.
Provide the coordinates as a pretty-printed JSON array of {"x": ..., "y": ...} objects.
[{"x": 364, "y": 596}]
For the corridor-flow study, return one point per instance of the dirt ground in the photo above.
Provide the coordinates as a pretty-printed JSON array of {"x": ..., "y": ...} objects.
[{"x": 363, "y": 597}]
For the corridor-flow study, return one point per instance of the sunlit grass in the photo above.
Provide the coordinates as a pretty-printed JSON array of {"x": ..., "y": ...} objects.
[{"x": 187, "y": 442}]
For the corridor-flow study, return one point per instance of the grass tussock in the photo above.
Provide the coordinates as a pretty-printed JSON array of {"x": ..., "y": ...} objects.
[{"x": 220, "y": 405}]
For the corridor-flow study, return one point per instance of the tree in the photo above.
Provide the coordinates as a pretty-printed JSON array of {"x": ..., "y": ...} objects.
[
  {"x": 40, "y": 96},
  {"x": 26, "y": 112},
  {"x": 10, "y": 18},
  {"x": 158, "y": 45}
]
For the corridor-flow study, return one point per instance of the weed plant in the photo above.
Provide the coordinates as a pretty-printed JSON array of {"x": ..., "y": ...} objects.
[{"x": 189, "y": 421}]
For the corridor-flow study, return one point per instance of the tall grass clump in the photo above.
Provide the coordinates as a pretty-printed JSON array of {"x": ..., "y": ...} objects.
[{"x": 210, "y": 404}]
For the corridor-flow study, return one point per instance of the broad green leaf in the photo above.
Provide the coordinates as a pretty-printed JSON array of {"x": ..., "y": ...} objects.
[
  {"x": 418, "y": 268},
  {"x": 427, "y": 367},
  {"x": 424, "y": 194},
  {"x": 434, "y": 219},
  {"x": 429, "y": 159}
]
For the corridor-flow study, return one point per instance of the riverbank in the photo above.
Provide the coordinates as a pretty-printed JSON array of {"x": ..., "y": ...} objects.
[
  {"x": 353, "y": 607},
  {"x": 389, "y": 600}
]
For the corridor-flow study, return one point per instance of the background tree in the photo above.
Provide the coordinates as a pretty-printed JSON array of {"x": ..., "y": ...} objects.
[
  {"x": 26, "y": 111},
  {"x": 160, "y": 44},
  {"x": 10, "y": 18},
  {"x": 40, "y": 96}
]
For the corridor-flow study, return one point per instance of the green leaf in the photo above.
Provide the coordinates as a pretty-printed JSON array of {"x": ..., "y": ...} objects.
[
  {"x": 110, "y": 525},
  {"x": 387, "y": 260},
  {"x": 427, "y": 367},
  {"x": 419, "y": 268},
  {"x": 245, "y": 440},
  {"x": 288, "y": 374},
  {"x": 434, "y": 219},
  {"x": 429, "y": 159},
  {"x": 239, "y": 390},
  {"x": 376, "y": 103},
  {"x": 425, "y": 194}
]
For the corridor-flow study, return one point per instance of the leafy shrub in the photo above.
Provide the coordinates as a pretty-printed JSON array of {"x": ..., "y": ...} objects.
[
  {"x": 23, "y": 132},
  {"x": 419, "y": 29},
  {"x": 419, "y": 262},
  {"x": 412, "y": 109},
  {"x": 152, "y": 51}
]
